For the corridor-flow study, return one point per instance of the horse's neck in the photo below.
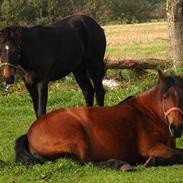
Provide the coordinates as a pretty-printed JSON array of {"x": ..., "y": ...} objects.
[{"x": 150, "y": 102}]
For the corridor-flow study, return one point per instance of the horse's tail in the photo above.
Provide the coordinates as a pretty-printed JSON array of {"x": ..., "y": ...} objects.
[{"x": 23, "y": 154}]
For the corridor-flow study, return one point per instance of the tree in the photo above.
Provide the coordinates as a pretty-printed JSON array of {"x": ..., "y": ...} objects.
[
  {"x": 129, "y": 10},
  {"x": 175, "y": 26},
  {"x": 15, "y": 11}
]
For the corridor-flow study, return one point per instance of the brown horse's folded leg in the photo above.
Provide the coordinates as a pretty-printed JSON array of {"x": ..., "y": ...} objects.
[
  {"x": 150, "y": 162},
  {"x": 164, "y": 155},
  {"x": 114, "y": 164}
]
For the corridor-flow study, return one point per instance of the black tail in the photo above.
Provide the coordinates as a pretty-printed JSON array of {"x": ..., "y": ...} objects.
[{"x": 23, "y": 154}]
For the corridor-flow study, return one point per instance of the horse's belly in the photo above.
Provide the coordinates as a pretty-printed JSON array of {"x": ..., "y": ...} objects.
[
  {"x": 115, "y": 151},
  {"x": 61, "y": 70}
]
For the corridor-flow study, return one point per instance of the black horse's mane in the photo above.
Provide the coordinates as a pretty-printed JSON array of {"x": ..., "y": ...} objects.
[
  {"x": 6, "y": 32},
  {"x": 40, "y": 27}
]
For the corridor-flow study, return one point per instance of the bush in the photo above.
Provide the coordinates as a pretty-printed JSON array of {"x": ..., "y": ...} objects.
[{"x": 47, "y": 11}]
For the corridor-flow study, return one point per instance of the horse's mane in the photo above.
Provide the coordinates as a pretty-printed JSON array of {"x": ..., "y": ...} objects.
[
  {"x": 126, "y": 99},
  {"x": 6, "y": 32},
  {"x": 40, "y": 27},
  {"x": 169, "y": 82}
]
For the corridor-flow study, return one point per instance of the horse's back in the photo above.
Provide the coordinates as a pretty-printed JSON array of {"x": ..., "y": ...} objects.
[{"x": 89, "y": 31}]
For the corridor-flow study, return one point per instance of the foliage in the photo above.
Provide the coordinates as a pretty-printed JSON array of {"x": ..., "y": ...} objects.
[
  {"x": 46, "y": 11},
  {"x": 129, "y": 10},
  {"x": 158, "y": 8},
  {"x": 15, "y": 11}
]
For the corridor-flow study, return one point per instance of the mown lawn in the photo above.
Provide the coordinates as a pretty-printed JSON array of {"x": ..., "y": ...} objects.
[{"x": 16, "y": 116}]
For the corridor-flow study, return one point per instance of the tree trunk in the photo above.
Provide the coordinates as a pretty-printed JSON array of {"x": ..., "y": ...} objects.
[{"x": 175, "y": 27}]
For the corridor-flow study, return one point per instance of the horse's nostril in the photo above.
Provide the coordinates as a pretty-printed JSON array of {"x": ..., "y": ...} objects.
[
  {"x": 10, "y": 80},
  {"x": 176, "y": 130},
  {"x": 172, "y": 127}
]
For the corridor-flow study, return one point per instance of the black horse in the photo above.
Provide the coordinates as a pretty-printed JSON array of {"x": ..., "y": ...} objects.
[{"x": 46, "y": 53}]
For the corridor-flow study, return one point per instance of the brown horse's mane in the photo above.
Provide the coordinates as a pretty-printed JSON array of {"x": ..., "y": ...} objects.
[
  {"x": 170, "y": 81},
  {"x": 126, "y": 99}
]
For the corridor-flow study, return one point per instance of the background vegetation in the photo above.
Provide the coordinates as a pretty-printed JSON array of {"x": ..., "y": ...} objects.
[{"x": 46, "y": 11}]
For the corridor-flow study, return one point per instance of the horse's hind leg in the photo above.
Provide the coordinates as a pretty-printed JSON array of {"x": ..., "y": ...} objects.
[
  {"x": 99, "y": 91},
  {"x": 96, "y": 73},
  {"x": 114, "y": 164},
  {"x": 85, "y": 85}
]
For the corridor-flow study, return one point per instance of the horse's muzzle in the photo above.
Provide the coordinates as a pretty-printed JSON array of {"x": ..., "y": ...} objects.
[
  {"x": 176, "y": 130},
  {"x": 10, "y": 79},
  {"x": 8, "y": 74}
]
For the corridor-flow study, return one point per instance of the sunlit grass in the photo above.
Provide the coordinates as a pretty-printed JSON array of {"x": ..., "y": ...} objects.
[{"x": 137, "y": 41}]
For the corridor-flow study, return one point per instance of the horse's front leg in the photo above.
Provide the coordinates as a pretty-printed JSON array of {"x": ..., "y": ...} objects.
[
  {"x": 42, "y": 91},
  {"x": 34, "y": 95},
  {"x": 161, "y": 154}
]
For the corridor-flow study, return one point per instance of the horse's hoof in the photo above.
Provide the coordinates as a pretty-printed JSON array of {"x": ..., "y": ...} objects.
[
  {"x": 150, "y": 162},
  {"x": 2, "y": 164},
  {"x": 127, "y": 168}
]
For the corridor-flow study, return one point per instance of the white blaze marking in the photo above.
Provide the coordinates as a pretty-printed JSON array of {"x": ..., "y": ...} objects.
[
  {"x": 7, "y": 47},
  {"x": 175, "y": 93}
]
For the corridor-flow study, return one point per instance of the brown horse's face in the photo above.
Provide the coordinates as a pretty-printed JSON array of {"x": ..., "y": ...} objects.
[
  {"x": 173, "y": 110},
  {"x": 9, "y": 57}
]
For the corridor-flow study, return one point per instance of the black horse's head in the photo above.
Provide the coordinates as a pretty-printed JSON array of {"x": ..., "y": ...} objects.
[
  {"x": 9, "y": 52},
  {"x": 172, "y": 103}
]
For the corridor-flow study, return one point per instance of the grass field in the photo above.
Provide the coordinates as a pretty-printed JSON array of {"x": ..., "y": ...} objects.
[
  {"x": 137, "y": 41},
  {"x": 16, "y": 114}
]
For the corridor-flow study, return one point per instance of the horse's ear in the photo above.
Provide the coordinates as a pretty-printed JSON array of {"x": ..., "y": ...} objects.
[
  {"x": 1, "y": 35},
  {"x": 16, "y": 34},
  {"x": 161, "y": 76},
  {"x": 1, "y": 31}
]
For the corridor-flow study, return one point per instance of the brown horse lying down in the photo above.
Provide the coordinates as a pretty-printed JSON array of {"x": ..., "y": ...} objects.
[{"x": 143, "y": 129}]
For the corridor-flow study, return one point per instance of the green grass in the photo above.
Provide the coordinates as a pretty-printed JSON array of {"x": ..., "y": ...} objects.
[
  {"x": 137, "y": 50},
  {"x": 16, "y": 116}
]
